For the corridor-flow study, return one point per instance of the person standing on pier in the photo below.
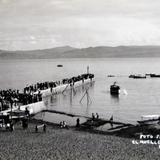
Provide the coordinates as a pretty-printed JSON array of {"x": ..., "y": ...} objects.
[
  {"x": 111, "y": 121},
  {"x": 97, "y": 116},
  {"x": 27, "y": 112},
  {"x": 93, "y": 116},
  {"x": 78, "y": 122}
]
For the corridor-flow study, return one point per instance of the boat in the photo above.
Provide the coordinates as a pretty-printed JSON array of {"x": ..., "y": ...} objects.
[
  {"x": 149, "y": 119},
  {"x": 154, "y": 75},
  {"x": 114, "y": 89},
  {"x": 59, "y": 65},
  {"x": 138, "y": 76},
  {"x": 110, "y": 75}
]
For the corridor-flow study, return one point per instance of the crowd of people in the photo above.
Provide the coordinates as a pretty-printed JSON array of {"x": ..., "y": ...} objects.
[
  {"x": 40, "y": 86},
  {"x": 14, "y": 97},
  {"x": 45, "y": 85},
  {"x": 78, "y": 78}
]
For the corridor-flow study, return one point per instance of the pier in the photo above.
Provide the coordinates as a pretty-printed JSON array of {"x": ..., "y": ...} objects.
[{"x": 31, "y": 99}]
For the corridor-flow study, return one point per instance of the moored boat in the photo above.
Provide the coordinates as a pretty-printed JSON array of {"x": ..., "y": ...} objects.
[
  {"x": 59, "y": 65},
  {"x": 154, "y": 75},
  {"x": 149, "y": 119},
  {"x": 138, "y": 76},
  {"x": 110, "y": 75}
]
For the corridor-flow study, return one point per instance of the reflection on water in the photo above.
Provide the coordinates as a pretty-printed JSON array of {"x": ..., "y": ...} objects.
[
  {"x": 115, "y": 98},
  {"x": 57, "y": 118},
  {"x": 75, "y": 100},
  {"x": 68, "y": 102}
]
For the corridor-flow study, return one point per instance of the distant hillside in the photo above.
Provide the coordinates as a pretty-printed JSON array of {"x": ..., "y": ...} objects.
[
  {"x": 119, "y": 52},
  {"x": 91, "y": 52}
]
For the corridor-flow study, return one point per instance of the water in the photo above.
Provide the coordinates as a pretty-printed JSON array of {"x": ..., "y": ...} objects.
[
  {"x": 57, "y": 118},
  {"x": 138, "y": 96}
]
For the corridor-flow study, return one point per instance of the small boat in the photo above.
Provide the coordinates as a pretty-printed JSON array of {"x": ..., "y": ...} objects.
[
  {"x": 59, "y": 65},
  {"x": 154, "y": 75},
  {"x": 149, "y": 119},
  {"x": 114, "y": 89},
  {"x": 138, "y": 76},
  {"x": 110, "y": 75}
]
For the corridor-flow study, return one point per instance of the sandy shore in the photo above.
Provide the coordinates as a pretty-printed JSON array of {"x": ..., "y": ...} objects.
[{"x": 70, "y": 144}]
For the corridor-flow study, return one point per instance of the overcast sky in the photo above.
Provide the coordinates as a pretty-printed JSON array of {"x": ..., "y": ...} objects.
[{"x": 38, "y": 24}]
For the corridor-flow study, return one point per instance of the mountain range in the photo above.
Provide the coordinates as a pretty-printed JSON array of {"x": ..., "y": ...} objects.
[{"x": 91, "y": 52}]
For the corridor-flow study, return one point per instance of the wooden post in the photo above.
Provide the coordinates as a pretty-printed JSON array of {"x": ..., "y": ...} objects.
[
  {"x": 36, "y": 129},
  {"x": 87, "y": 69},
  {"x": 11, "y": 109}
]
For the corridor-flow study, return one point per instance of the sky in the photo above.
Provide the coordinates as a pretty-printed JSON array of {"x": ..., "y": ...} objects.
[{"x": 40, "y": 24}]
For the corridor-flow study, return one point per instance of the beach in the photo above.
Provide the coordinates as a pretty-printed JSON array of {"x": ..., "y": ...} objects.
[{"x": 70, "y": 144}]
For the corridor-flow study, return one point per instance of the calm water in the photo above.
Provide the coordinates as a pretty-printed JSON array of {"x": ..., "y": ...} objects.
[{"x": 141, "y": 96}]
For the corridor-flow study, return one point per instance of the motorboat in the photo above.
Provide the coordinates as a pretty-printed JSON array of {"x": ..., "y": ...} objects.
[
  {"x": 154, "y": 75},
  {"x": 137, "y": 76},
  {"x": 114, "y": 89}
]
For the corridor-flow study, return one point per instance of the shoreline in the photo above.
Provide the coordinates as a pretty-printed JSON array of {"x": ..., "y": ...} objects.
[
  {"x": 129, "y": 131},
  {"x": 69, "y": 144}
]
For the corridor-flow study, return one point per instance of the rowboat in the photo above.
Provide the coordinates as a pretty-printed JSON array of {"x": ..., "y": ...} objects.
[{"x": 149, "y": 119}]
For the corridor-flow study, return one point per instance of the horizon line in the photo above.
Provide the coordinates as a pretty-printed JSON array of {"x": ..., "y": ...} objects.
[{"x": 25, "y": 50}]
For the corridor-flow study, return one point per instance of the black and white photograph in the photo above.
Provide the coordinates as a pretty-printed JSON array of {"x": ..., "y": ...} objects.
[{"x": 79, "y": 80}]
